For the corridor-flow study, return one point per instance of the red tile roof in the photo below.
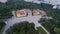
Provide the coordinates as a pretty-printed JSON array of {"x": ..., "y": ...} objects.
[
  {"x": 42, "y": 12},
  {"x": 21, "y": 12}
]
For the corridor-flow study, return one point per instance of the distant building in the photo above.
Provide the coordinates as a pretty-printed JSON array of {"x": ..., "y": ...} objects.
[
  {"x": 52, "y": 2},
  {"x": 54, "y": 7},
  {"x": 3, "y": 1},
  {"x": 34, "y": 1},
  {"x": 58, "y": 6}
]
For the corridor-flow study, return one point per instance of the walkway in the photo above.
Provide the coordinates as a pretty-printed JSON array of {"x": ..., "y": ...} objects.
[{"x": 14, "y": 20}]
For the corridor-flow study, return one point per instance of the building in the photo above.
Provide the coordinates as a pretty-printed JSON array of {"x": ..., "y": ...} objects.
[
  {"x": 42, "y": 12},
  {"x": 35, "y": 12},
  {"x": 39, "y": 12},
  {"x": 21, "y": 13},
  {"x": 52, "y": 2},
  {"x": 54, "y": 7},
  {"x": 28, "y": 12},
  {"x": 3, "y": 1},
  {"x": 34, "y": 1}
]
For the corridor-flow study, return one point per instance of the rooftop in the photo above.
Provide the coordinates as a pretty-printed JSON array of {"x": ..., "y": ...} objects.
[{"x": 25, "y": 12}]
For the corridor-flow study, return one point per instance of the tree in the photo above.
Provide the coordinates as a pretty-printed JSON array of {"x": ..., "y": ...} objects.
[
  {"x": 22, "y": 28},
  {"x": 5, "y": 11},
  {"x": 57, "y": 30},
  {"x": 2, "y": 25}
]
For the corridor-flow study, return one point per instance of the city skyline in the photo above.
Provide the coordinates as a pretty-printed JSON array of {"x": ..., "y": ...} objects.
[{"x": 54, "y": 2}]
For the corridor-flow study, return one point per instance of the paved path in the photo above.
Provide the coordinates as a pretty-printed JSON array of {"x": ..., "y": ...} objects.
[
  {"x": 45, "y": 30},
  {"x": 33, "y": 19},
  {"x": 30, "y": 19},
  {"x": 14, "y": 20}
]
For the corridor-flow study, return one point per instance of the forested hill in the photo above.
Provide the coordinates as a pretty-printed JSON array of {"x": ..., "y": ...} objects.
[{"x": 7, "y": 8}]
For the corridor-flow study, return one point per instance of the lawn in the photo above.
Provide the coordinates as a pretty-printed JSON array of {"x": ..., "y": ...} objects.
[{"x": 41, "y": 30}]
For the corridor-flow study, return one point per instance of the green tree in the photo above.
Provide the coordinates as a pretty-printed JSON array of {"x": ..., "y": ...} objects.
[
  {"x": 22, "y": 28},
  {"x": 2, "y": 25}
]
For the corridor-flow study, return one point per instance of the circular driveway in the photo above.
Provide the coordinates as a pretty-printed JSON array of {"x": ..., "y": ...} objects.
[{"x": 14, "y": 20}]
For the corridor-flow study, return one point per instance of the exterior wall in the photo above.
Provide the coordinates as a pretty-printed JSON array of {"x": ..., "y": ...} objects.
[
  {"x": 20, "y": 15},
  {"x": 30, "y": 14},
  {"x": 35, "y": 12}
]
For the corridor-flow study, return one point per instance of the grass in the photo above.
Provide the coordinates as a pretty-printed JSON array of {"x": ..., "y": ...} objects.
[{"x": 41, "y": 30}]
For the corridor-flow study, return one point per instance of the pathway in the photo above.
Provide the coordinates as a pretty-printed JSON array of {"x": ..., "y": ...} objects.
[{"x": 14, "y": 20}]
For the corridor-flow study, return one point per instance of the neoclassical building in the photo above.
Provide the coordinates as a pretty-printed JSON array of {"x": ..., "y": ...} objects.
[{"x": 28, "y": 12}]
